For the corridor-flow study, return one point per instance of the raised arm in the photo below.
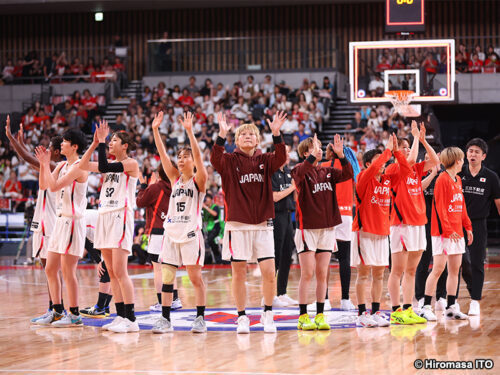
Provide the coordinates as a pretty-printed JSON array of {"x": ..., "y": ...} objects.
[
  {"x": 279, "y": 155},
  {"x": 20, "y": 150},
  {"x": 427, "y": 180},
  {"x": 201, "y": 171},
  {"x": 412, "y": 158},
  {"x": 166, "y": 163},
  {"x": 346, "y": 173},
  {"x": 85, "y": 162},
  {"x": 433, "y": 157},
  {"x": 217, "y": 154},
  {"x": 299, "y": 172}
]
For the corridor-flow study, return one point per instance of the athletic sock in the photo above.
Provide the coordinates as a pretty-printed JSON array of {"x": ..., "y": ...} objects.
[
  {"x": 159, "y": 297},
  {"x": 130, "y": 312},
  {"x": 394, "y": 308},
  {"x": 375, "y": 307},
  {"x": 200, "y": 311},
  {"x": 58, "y": 308},
  {"x": 406, "y": 306},
  {"x": 101, "y": 300},
  {"x": 361, "y": 309},
  {"x": 108, "y": 300},
  {"x": 268, "y": 308},
  {"x": 451, "y": 301},
  {"x": 241, "y": 313},
  {"x": 165, "y": 312},
  {"x": 320, "y": 307},
  {"x": 427, "y": 300},
  {"x": 326, "y": 297},
  {"x": 303, "y": 308},
  {"x": 74, "y": 310},
  {"x": 120, "y": 309},
  {"x": 62, "y": 304},
  {"x": 51, "y": 306},
  {"x": 176, "y": 294}
]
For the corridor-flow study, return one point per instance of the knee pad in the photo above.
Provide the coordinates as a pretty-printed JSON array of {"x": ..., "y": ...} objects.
[
  {"x": 167, "y": 274},
  {"x": 167, "y": 288}
]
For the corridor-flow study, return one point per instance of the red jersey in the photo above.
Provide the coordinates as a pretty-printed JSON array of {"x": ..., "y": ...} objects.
[
  {"x": 408, "y": 196},
  {"x": 155, "y": 198},
  {"x": 475, "y": 66},
  {"x": 374, "y": 196},
  {"x": 345, "y": 191},
  {"x": 317, "y": 206},
  {"x": 449, "y": 213},
  {"x": 246, "y": 181}
]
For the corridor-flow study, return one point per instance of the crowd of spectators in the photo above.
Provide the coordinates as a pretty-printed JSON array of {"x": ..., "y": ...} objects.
[{"x": 59, "y": 68}]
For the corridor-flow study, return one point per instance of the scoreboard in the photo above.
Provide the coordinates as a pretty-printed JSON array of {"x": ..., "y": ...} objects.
[{"x": 404, "y": 16}]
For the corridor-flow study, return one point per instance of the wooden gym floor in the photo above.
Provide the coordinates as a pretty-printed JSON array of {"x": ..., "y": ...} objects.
[{"x": 87, "y": 350}]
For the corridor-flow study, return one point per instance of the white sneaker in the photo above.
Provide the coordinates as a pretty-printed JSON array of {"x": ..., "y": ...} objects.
[
  {"x": 380, "y": 319},
  {"x": 116, "y": 320},
  {"x": 453, "y": 312},
  {"x": 243, "y": 324},
  {"x": 474, "y": 308},
  {"x": 156, "y": 307},
  {"x": 199, "y": 325},
  {"x": 125, "y": 326},
  {"x": 427, "y": 313},
  {"x": 162, "y": 325},
  {"x": 285, "y": 298},
  {"x": 365, "y": 320},
  {"x": 267, "y": 320},
  {"x": 440, "y": 304},
  {"x": 420, "y": 305},
  {"x": 346, "y": 305},
  {"x": 312, "y": 306},
  {"x": 276, "y": 302},
  {"x": 176, "y": 304}
]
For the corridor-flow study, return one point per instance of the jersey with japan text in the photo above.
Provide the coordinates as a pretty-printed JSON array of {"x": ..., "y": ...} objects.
[
  {"x": 44, "y": 216},
  {"x": 184, "y": 211},
  {"x": 71, "y": 200},
  {"x": 117, "y": 192}
]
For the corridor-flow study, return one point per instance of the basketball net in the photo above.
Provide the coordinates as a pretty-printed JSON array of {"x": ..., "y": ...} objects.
[{"x": 401, "y": 100}]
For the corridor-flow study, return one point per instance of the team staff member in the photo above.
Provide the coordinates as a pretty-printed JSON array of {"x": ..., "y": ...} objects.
[
  {"x": 481, "y": 187},
  {"x": 211, "y": 225},
  {"x": 284, "y": 205}
]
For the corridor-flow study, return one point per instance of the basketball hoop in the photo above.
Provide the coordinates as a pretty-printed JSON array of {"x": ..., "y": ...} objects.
[{"x": 401, "y": 100}]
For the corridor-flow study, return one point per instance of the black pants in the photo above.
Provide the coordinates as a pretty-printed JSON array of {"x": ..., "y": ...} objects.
[
  {"x": 283, "y": 248},
  {"x": 423, "y": 271},
  {"x": 211, "y": 236},
  {"x": 343, "y": 254},
  {"x": 473, "y": 262}
]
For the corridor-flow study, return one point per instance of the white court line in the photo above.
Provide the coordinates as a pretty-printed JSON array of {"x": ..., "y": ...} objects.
[{"x": 150, "y": 372}]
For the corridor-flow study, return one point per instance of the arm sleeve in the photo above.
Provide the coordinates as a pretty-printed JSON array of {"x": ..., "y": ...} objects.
[
  {"x": 147, "y": 196},
  {"x": 103, "y": 165},
  {"x": 345, "y": 174},
  {"x": 278, "y": 157},
  {"x": 442, "y": 200},
  {"x": 300, "y": 170},
  {"x": 217, "y": 155}
]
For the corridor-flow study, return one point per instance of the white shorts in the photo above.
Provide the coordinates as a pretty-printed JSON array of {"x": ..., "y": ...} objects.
[
  {"x": 247, "y": 245},
  {"x": 68, "y": 236},
  {"x": 343, "y": 231},
  {"x": 315, "y": 239},
  {"x": 155, "y": 244},
  {"x": 190, "y": 253},
  {"x": 369, "y": 249},
  {"x": 112, "y": 232},
  {"x": 411, "y": 236},
  {"x": 446, "y": 246},
  {"x": 38, "y": 239}
]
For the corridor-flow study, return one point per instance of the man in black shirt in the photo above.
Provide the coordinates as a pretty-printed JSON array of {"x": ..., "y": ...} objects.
[
  {"x": 284, "y": 205},
  {"x": 481, "y": 186}
]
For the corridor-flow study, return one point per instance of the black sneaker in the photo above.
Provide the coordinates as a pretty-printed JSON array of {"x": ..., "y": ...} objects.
[{"x": 93, "y": 312}]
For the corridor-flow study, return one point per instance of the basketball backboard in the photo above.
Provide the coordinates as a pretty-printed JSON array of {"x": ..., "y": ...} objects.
[{"x": 426, "y": 67}]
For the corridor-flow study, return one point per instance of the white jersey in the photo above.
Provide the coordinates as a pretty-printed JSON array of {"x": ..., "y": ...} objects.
[
  {"x": 90, "y": 224},
  {"x": 71, "y": 201},
  {"x": 184, "y": 211},
  {"x": 44, "y": 217},
  {"x": 117, "y": 192}
]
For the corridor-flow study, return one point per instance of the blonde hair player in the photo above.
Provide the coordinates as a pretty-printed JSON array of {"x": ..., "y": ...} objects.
[
  {"x": 68, "y": 245},
  {"x": 248, "y": 234},
  {"x": 408, "y": 219},
  {"x": 449, "y": 217},
  {"x": 115, "y": 224},
  {"x": 183, "y": 241}
]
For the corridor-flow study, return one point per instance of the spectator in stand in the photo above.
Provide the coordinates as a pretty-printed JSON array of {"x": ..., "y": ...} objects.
[
  {"x": 8, "y": 72},
  {"x": 301, "y": 133},
  {"x": 399, "y": 64},
  {"x": 430, "y": 64},
  {"x": 290, "y": 126},
  {"x": 192, "y": 89},
  {"x": 376, "y": 85},
  {"x": 475, "y": 65},
  {"x": 229, "y": 146},
  {"x": 267, "y": 87},
  {"x": 492, "y": 62},
  {"x": 461, "y": 66},
  {"x": 358, "y": 125},
  {"x": 463, "y": 51},
  {"x": 240, "y": 109},
  {"x": 480, "y": 54},
  {"x": 250, "y": 89},
  {"x": 186, "y": 98},
  {"x": 383, "y": 65},
  {"x": 13, "y": 189},
  {"x": 309, "y": 123},
  {"x": 118, "y": 125}
]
